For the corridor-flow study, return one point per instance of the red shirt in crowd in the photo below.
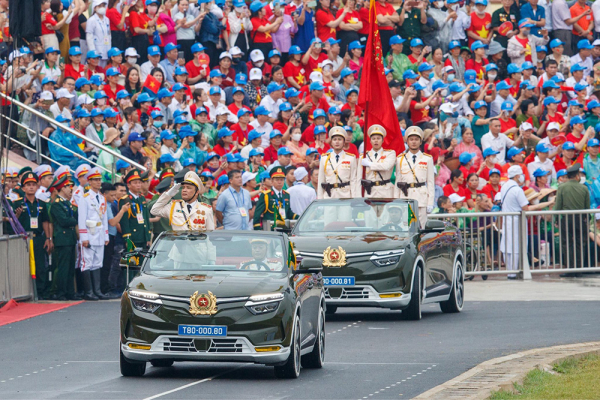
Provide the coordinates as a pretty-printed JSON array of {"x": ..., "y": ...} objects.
[
  {"x": 137, "y": 20},
  {"x": 385, "y": 10},
  {"x": 222, "y": 151},
  {"x": 490, "y": 190},
  {"x": 260, "y": 37},
  {"x": 448, "y": 190},
  {"x": 240, "y": 135},
  {"x": 480, "y": 26},
  {"x": 352, "y": 149},
  {"x": 485, "y": 172},
  {"x": 418, "y": 116},
  {"x": 270, "y": 154},
  {"x": 314, "y": 63},
  {"x": 109, "y": 92},
  {"x": 479, "y": 67},
  {"x": 323, "y": 17},
  {"x": 97, "y": 70},
  {"x": 298, "y": 73},
  {"x": 73, "y": 73},
  {"x": 48, "y": 19},
  {"x": 114, "y": 17}
]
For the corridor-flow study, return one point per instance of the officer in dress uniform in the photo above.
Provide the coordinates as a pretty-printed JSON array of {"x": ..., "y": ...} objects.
[
  {"x": 65, "y": 220},
  {"x": 135, "y": 224},
  {"x": 80, "y": 190},
  {"x": 187, "y": 214},
  {"x": 93, "y": 234},
  {"x": 338, "y": 178},
  {"x": 379, "y": 164},
  {"x": 259, "y": 257},
  {"x": 33, "y": 216},
  {"x": 45, "y": 176},
  {"x": 274, "y": 204},
  {"x": 415, "y": 174}
]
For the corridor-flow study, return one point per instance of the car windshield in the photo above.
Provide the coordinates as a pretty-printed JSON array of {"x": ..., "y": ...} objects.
[
  {"x": 217, "y": 251},
  {"x": 358, "y": 215}
]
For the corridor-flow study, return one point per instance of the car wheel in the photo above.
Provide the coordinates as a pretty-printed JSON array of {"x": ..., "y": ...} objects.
[
  {"x": 161, "y": 363},
  {"x": 316, "y": 358},
  {"x": 131, "y": 368},
  {"x": 330, "y": 310},
  {"x": 457, "y": 296},
  {"x": 291, "y": 368},
  {"x": 413, "y": 311}
]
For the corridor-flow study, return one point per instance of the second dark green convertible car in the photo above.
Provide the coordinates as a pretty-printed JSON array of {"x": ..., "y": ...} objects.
[
  {"x": 374, "y": 254},
  {"x": 223, "y": 296}
]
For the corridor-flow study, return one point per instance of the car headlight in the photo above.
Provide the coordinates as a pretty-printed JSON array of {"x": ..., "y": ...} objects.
[
  {"x": 264, "y": 303},
  {"x": 386, "y": 258},
  {"x": 145, "y": 301}
]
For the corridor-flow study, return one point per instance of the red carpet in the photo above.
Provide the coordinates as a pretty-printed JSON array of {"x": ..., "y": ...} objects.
[{"x": 15, "y": 312}]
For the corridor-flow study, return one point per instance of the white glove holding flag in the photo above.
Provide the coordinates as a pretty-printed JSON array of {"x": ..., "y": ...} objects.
[{"x": 366, "y": 163}]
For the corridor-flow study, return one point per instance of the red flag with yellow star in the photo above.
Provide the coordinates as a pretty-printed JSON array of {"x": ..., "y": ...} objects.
[
  {"x": 374, "y": 95},
  {"x": 151, "y": 85}
]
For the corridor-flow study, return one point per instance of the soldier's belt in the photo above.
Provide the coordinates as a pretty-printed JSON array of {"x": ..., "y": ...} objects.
[
  {"x": 329, "y": 186},
  {"x": 375, "y": 183},
  {"x": 410, "y": 185}
]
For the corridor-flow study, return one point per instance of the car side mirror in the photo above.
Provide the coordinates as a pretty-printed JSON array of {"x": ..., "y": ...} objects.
[
  {"x": 309, "y": 266},
  {"x": 434, "y": 225}
]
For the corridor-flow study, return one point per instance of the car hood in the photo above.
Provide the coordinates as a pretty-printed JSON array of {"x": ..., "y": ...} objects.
[
  {"x": 221, "y": 284},
  {"x": 361, "y": 243}
]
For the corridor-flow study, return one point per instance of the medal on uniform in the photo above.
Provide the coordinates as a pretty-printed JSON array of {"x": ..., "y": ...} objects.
[
  {"x": 33, "y": 222},
  {"x": 140, "y": 218}
]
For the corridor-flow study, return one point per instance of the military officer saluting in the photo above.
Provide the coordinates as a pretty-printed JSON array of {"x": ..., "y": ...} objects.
[
  {"x": 80, "y": 190},
  {"x": 65, "y": 220},
  {"x": 338, "y": 178},
  {"x": 135, "y": 224},
  {"x": 274, "y": 204},
  {"x": 378, "y": 164},
  {"x": 93, "y": 235},
  {"x": 415, "y": 174},
  {"x": 159, "y": 224},
  {"x": 187, "y": 214}
]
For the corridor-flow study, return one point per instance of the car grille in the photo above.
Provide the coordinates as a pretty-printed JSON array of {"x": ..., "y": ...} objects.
[
  {"x": 351, "y": 293},
  {"x": 193, "y": 345}
]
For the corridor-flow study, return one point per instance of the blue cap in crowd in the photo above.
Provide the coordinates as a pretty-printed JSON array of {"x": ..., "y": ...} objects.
[
  {"x": 479, "y": 104},
  {"x": 255, "y": 152},
  {"x": 578, "y": 120},
  {"x": 285, "y": 107},
  {"x": 568, "y": 146},
  {"x": 540, "y": 172},
  {"x": 121, "y": 94},
  {"x": 110, "y": 113},
  {"x": 122, "y": 164},
  {"x": 556, "y": 42},
  {"x": 561, "y": 172},
  {"x": 261, "y": 110},
  {"x": 513, "y": 151},
  {"x": 396, "y": 39},
  {"x": 197, "y": 48},
  {"x": 551, "y": 100},
  {"x": 167, "y": 158},
  {"x": 223, "y": 180},
  {"x": 135, "y": 137},
  {"x": 542, "y": 148},
  {"x": 225, "y": 132},
  {"x": 311, "y": 150},
  {"x": 416, "y": 42},
  {"x": 241, "y": 112},
  {"x": 74, "y": 51},
  {"x": 154, "y": 51},
  {"x": 253, "y": 134},
  {"x": 490, "y": 152},
  {"x": 167, "y": 135},
  {"x": 113, "y": 52},
  {"x": 283, "y": 151},
  {"x": 274, "y": 133},
  {"x": 319, "y": 112},
  {"x": 593, "y": 142},
  {"x": 465, "y": 158}
]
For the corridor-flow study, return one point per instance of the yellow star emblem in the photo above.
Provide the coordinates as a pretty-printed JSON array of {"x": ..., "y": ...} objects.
[
  {"x": 482, "y": 32},
  {"x": 331, "y": 30},
  {"x": 300, "y": 79},
  {"x": 267, "y": 34}
]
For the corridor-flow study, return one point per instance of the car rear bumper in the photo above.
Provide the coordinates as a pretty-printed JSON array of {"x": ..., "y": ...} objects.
[
  {"x": 365, "y": 296},
  {"x": 182, "y": 348}
]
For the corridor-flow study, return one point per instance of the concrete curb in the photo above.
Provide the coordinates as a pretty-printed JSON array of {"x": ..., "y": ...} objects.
[{"x": 500, "y": 373}]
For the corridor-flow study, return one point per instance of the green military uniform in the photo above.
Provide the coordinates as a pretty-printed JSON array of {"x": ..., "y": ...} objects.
[
  {"x": 162, "y": 224},
  {"x": 272, "y": 206},
  {"x": 135, "y": 224},
  {"x": 32, "y": 219},
  {"x": 572, "y": 195},
  {"x": 499, "y": 17},
  {"x": 411, "y": 27},
  {"x": 64, "y": 216}
]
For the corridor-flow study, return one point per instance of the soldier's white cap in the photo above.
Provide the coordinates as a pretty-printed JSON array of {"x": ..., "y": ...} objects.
[
  {"x": 82, "y": 170},
  {"x": 94, "y": 173},
  {"x": 337, "y": 131},
  {"x": 14, "y": 171},
  {"x": 376, "y": 130},
  {"x": 192, "y": 178},
  {"x": 63, "y": 169},
  {"x": 43, "y": 170},
  {"x": 413, "y": 131}
]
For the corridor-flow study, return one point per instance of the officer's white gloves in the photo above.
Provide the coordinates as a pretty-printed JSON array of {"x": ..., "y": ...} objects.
[
  {"x": 429, "y": 209},
  {"x": 174, "y": 190},
  {"x": 366, "y": 163}
]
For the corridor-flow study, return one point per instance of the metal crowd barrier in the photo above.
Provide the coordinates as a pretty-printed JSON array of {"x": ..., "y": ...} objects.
[{"x": 535, "y": 242}]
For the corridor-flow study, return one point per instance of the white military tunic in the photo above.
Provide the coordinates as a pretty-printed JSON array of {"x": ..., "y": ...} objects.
[
  {"x": 423, "y": 171},
  {"x": 200, "y": 218},
  {"x": 513, "y": 200},
  {"x": 344, "y": 167},
  {"x": 42, "y": 194},
  {"x": 77, "y": 195},
  {"x": 93, "y": 227},
  {"x": 382, "y": 166}
]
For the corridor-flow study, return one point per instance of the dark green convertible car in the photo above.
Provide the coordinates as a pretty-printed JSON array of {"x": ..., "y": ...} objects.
[
  {"x": 223, "y": 296},
  {"x": 374, "y": 254}
]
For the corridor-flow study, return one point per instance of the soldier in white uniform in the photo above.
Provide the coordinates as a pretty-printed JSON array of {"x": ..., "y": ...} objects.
[
  {"x": 415, "y": 174},
  {"x": 93, "y": 235},
  {"x": 44, "y": 174},
  {"x": 379, "y": 164},
  {"x": 260, "y": 260},
  {"x": 337, "y": 170},
  {"x": 80, "y": 174},
  {"x": 187, "y": 214}
]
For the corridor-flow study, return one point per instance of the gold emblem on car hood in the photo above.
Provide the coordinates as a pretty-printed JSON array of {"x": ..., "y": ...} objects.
[
  {"x": 203, "y": 304},
  {"x": 334, "y": 257}
]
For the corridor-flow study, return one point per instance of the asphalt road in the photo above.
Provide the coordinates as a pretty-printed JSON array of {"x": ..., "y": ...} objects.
[{"x": 370, "y": 353}]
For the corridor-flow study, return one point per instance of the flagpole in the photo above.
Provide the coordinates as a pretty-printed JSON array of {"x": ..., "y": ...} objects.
[{"x": 364, "y": 154}]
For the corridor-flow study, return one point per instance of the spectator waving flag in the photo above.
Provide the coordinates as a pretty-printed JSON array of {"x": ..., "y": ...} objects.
[
  {"x": 375, "y": 96},
  {"x": 151, "y": 85}
]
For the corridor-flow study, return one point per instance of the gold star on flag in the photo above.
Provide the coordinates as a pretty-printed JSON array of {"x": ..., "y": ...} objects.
[
  {"x": 267, "y": 34},
  {"x": 300, "y": 79},
  {"x": 482, "y": 32}
]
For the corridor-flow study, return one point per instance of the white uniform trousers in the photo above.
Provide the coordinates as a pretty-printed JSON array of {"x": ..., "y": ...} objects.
[
  {"x": 422, "y": 216},
  {"x": 92, "y": 258}
]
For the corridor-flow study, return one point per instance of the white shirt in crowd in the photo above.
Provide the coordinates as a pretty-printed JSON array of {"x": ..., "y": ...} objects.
[
  {"x": 500, "y": 144},
  {"x": 265, "y": 130},
  {"x": 300, "y": 197}
]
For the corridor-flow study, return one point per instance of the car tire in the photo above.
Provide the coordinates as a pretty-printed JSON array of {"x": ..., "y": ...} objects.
[
  {"x": 455, "y": 303},
  {"x": 330, "y": 310},
  {"x": 413, "y": 311},
  {"x": 162, "y": 363},
  {"x": 291, "y": 368},
  {"x": 131, "y": 368},
  {"x": 316, "y": 358}
]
